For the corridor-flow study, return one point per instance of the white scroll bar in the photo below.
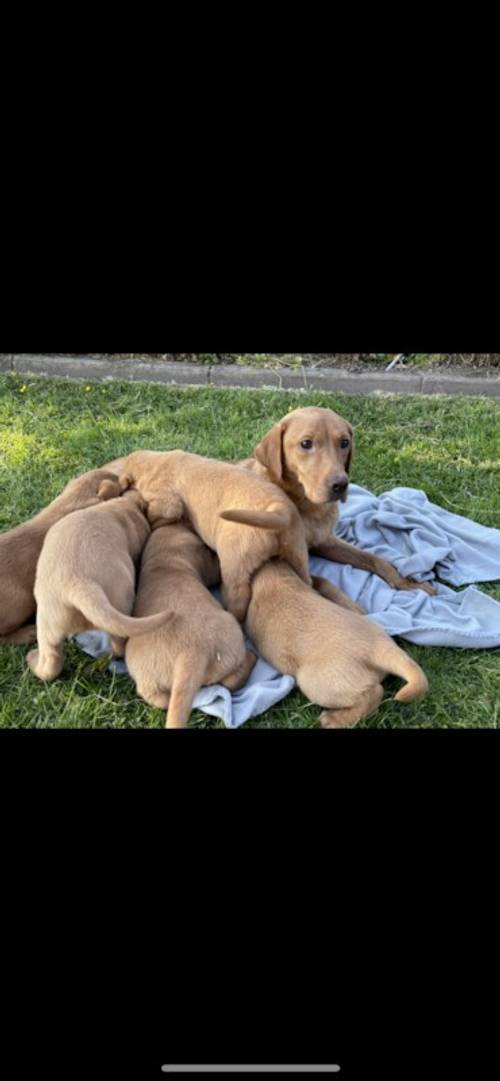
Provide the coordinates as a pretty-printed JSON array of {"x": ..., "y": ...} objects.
[{"x": 251, "y": 1069}]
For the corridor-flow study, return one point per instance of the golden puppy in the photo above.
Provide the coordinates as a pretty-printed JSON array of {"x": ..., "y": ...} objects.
[
  {"x": 21, "y": 547},
  {"x": 217, "y": 498},
  {"x": 202, "y": 644},
  {"x": 338, "y": 658},
  {"x": 308, "y": 455},
  {"x": 86, "y": 578}
]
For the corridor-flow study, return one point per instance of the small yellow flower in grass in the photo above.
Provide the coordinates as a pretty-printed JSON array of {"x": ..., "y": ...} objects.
[
  {"x": 88, "y": 388},
  {"x": 290, "y": 408},
  {"x": 23, "y": 389}
]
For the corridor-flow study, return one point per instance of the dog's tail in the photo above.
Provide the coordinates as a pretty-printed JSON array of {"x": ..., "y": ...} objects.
[
  {"x": 396, "y": 661},
  {"x": 277, "y": 516},
  {"x": 187, "y": 678},
  {"x": 90, "y": 598}
]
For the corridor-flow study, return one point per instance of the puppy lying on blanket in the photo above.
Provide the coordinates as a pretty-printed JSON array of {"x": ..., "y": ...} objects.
[
  {"x": 200, "y": 644},
  {"x": 338, "y": 658},
  {"x": 86, "y": 578},
  {"x": 217, "y": 498},
  {"x": 21, "y": 547}
]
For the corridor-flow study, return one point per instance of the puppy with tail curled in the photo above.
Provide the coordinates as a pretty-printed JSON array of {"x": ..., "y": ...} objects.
[
  {"x": 202, "y": 644},
  {"x": 339, "y": 658},
  {"x": 86, "y": 578}
]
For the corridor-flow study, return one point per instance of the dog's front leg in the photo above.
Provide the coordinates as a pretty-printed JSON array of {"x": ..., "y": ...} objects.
[{"x": 339, "y": 551}]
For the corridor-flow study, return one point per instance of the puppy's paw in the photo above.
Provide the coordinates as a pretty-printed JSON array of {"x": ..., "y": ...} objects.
[
  {"x": 32, "y": 658},
  {"x": 337, "y": 718},
  {"x": 46, "y": 668}
]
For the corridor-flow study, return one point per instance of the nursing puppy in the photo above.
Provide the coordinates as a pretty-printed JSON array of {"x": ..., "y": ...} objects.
[
  {"x": 202, "y": 644},
  {"x": 86, "y": 578},
  {"x": 21, "y": 547},
  {"x": 217, "y": 498},
  {"x": 338, "y": 658}
]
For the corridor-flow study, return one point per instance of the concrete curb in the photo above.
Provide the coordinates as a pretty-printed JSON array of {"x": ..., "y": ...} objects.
[{"x": 173, "y": 373}]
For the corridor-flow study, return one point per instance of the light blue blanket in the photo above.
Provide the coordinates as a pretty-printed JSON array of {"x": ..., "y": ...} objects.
[{"x": 421, "y": 540}]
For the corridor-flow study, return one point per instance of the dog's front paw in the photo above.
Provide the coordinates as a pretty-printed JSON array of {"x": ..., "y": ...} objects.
[{"x": 411, "y": 583}]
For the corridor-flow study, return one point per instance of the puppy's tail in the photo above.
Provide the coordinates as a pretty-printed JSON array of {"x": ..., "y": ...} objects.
[
  {"x": 400, "y": 664},
  {"x": 276, "y": 517},
  {"x": 187, "y": 678},
  {"x": 91, "y": 599}
]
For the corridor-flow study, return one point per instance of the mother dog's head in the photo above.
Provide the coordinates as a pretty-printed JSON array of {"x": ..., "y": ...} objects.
[{"x": 311, "y": 448}]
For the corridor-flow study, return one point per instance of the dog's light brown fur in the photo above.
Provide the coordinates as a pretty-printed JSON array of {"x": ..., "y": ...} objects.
[
  {"x": 202, "y": 644},
  {"x": 86, "y": 578},
  {"x": 307, "y": 477},
  {"x": 338, "y": 658},
  {"x": 21, "y": 547},
  {"x": 216, "y": 497},
  {"x": 116, "y": 466}
]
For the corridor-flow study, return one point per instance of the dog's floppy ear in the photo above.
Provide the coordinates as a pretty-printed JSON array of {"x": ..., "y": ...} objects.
[
  {"x": 270, "y": 451},
  {"x": 349, "y": 457}
]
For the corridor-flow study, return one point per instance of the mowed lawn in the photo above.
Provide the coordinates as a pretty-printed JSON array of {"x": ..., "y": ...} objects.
[{"x": 51, "y": 430}]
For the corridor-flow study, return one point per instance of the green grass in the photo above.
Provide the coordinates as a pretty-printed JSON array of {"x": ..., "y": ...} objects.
[{"x": 51, "y": 430}]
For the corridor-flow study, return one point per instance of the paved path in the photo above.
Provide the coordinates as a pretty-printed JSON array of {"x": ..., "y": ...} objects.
[{"x": 176, "y": 373}]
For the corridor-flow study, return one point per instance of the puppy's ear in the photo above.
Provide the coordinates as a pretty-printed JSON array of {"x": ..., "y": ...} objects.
[
  {"x": 270, "y": 451},
  {"x": 349, "y": 458},
  {"x": 109, "y": 489}
]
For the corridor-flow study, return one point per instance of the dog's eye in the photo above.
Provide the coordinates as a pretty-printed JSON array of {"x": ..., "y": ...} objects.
[
  {"x": 344, "y": 444},
  {"x": 306, "y": 444}
]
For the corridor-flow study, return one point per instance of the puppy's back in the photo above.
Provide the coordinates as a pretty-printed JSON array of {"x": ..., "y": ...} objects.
[
  {"x": 293, "y": 626},
  {"x": 79, "y": 545}
]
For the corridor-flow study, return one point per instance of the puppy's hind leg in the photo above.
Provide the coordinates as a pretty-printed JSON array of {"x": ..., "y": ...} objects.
[
  {"x": 367, "y": 703},
  {"x": 294, "y": 551},
  {"x": 154, "y": 697},
  {"x": 47, "y": 661},
  {"x": 237, "y": 594},
  {"x": 22, "y": 637},
  {"x": 238, "y": 677},
  {"x": 118, "y": 647}
]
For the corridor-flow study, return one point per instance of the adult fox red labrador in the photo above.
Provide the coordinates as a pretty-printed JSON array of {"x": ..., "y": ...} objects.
[{"x": 308, "y": 454}]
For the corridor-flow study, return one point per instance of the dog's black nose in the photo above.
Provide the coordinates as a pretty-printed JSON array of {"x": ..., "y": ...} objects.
[{"x": 339, "y": 487}]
